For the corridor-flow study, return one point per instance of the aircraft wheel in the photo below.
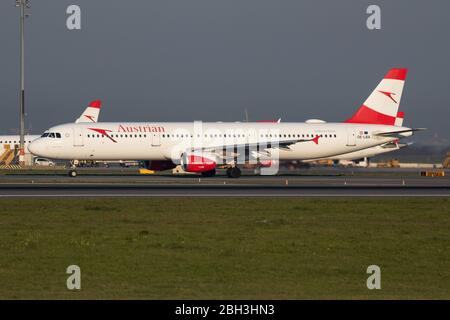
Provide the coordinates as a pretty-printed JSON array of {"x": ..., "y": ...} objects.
[
  {"x": 234, "y": 173},
  {"x": 72, "y": 173},
  {"x": 229, "y": 172},
  {"x": 208, "y": 174}
]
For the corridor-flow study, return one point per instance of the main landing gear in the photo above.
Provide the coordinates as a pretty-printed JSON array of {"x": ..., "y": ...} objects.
[{"x": 233, "y": 172}]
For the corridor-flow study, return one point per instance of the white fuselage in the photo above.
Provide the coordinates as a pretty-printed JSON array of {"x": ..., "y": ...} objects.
[
  {"x": 11, "y": 141},
  {"x": 167, "y": 141}
]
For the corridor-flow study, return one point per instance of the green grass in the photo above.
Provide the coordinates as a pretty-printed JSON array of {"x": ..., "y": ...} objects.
[{"x": 232, "y": 248}]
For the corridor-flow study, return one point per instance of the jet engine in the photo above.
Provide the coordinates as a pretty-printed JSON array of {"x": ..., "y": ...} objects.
[{"x": 198, "y": 162}]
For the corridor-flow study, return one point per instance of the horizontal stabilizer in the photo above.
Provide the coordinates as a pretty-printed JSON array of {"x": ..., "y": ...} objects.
[{"x": 399, "y": 132}]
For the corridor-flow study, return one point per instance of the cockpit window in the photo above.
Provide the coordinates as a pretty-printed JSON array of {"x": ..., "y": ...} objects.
[{"x": 51, "y": 135}]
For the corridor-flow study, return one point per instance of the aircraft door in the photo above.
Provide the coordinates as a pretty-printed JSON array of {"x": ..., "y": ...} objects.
[
  {"x": 351, "y": 137},
  {"x": 156, "y": 139},
  {"x": 78, "y": 140}
]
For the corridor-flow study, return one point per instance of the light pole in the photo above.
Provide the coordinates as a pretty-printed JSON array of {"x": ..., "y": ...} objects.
[{"x": 23, "y": 5}]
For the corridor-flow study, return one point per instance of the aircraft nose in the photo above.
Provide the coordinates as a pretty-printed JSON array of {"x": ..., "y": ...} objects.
[{"x": 36, "y": 147}]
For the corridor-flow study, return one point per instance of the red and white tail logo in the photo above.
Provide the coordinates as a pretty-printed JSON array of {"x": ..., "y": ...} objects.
[
  {"x": 381, "y": 107},
  {"x": 91, "y": 113}
]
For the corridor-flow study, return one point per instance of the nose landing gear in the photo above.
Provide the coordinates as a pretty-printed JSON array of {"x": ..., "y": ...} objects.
[{"x": 72, "y": 173}]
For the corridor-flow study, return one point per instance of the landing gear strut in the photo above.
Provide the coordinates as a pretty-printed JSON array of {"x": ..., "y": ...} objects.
[{"x": 233, "y": 172}]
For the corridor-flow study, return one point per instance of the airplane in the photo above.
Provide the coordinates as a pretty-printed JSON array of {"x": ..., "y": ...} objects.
[
  {"x": 203, "y": 147},
  {"x": 11, "y": 142}
]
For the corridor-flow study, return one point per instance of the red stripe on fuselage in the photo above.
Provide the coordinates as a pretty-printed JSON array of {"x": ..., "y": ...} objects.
[
  {"x": 370, "y": 116},
  {"x": 103, "y": 132}
]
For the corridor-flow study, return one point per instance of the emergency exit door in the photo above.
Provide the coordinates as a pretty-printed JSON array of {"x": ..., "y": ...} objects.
[
  {"x": 156, "y": 139},
  {"x": 78, "y": 140},
  {"x": 351, "y": 137}
]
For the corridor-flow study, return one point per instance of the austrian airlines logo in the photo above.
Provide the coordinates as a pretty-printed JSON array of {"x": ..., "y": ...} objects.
[
  {"x": 90, "y": 118},
  {"x": 389, "y": 95},
  {"x": 316, "y": 139},
  {"x": 103, "y": 132}
]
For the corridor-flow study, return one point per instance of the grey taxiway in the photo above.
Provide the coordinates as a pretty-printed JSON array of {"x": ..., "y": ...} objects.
[{"x": 247, "y": 186}]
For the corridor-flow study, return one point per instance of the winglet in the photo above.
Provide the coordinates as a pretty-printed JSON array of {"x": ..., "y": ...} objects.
[
  {"x": 397, "y": 74},
  {"x": 96, "y": 104},
  {"x": 91, "y": 113}
]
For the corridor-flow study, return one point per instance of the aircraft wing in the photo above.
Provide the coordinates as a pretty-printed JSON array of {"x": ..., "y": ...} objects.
[{"x": 259, "y": 149}]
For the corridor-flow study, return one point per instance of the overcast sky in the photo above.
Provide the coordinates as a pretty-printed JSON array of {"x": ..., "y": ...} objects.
[{"x": 184, "y": 60}]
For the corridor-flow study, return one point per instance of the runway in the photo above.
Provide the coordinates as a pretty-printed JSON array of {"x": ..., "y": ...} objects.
[{"x": 122, "y": 190}]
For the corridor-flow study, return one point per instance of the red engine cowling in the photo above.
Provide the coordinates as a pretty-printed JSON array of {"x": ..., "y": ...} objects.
[
  {"x": 198, "y": 162},
  {"x": 268, "y": 163},
  {"x": 159, "y": 165}
]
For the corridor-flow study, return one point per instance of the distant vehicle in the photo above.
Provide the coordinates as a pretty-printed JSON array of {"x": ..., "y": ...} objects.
[{"x": 44, "y": 162}]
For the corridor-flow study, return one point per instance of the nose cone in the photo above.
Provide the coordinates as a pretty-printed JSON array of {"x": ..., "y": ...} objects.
[{"x": 37, "y": 147}]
